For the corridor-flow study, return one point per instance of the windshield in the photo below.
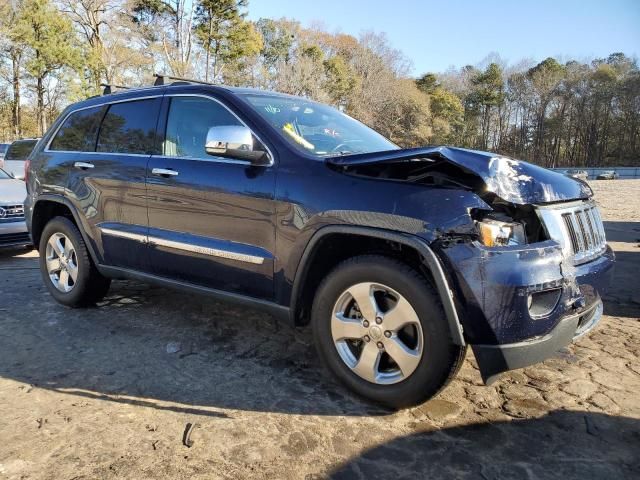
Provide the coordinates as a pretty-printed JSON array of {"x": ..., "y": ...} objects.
[
  {"x": 20, "y": 150},
  {"x": 3, "y": 147},
  {"x": 315, "y": 128}
]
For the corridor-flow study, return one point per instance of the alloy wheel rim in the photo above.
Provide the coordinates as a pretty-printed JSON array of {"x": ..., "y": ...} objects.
[
  {"x": 61, "y": 262},
  {"x": 377, "y": 333}
]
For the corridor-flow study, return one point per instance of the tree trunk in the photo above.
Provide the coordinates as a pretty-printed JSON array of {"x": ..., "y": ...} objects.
[
  {"x": 15, "y": 82},
  {"x": 40, "y": 115},
  {"x": 206, "y": 64}
]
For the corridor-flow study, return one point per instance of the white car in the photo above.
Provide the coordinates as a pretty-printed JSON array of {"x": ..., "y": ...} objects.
[
  {"x": 3, "y": 150},
  {"x": 13, "y": 229},
  {"x": 16, "y": 155}
]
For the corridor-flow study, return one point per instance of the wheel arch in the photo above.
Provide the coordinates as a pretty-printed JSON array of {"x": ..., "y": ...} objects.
[
  {"x": 428, "y": 260},
  {"x": 50, "y": 206}
]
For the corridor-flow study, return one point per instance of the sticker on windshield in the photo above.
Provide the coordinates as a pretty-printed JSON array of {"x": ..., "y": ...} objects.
[
  {"x": 289, "y": 129},
  {"x": 271, "y": 109}
]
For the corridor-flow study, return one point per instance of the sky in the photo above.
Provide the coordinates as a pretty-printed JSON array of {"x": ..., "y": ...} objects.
[{"x": 437, "y": 35}]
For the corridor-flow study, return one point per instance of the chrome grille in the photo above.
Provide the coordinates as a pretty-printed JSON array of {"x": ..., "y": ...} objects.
[
  {"x": 11, "y": 213},
  {"x": 577, "y": 227}
]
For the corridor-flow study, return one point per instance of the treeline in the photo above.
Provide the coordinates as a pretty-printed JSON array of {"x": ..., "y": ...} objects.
[{"x": 555, "y": 113}]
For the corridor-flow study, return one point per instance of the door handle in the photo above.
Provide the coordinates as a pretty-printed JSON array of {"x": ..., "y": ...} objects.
[
  {"x": 164, "y": 172},
  {"x": 83, "y": 165}
]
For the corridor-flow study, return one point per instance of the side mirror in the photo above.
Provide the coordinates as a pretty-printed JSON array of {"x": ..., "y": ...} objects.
[{"x": 233, "y": 141}]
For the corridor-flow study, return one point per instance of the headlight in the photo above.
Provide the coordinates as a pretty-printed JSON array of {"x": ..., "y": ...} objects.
[{"x": 494, "y": 233}]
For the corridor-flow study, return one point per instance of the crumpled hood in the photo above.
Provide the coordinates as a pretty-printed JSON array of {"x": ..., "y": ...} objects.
[
  {"x": 12, "y": 192},
  {"x": 515, "y": 181}
]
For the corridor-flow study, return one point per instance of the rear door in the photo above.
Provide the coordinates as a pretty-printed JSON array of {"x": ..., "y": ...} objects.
[
  {"x": 108, "y": 184},
  {"x": 211, "y": 219}
]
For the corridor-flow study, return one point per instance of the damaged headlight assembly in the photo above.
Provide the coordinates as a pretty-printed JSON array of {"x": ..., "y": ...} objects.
[{"x": 498, "y": 233}]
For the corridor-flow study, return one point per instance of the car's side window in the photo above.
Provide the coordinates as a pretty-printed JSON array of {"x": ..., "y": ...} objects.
[
  {"x": 130, "y": 127},
  {"x": 78, "y": 132},
  {"x": 188, "y": 123}
]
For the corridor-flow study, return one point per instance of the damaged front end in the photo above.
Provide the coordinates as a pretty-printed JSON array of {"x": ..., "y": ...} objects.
[{"x": 529, "y": 277}]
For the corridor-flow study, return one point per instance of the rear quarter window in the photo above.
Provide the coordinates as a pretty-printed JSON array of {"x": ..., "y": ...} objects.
[
  {"x": 130, "y": 127},
  {"x": 78, "y": 132}
]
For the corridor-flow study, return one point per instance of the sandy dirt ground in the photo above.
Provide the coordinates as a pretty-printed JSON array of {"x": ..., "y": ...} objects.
[{"x": 108, "y": 392}]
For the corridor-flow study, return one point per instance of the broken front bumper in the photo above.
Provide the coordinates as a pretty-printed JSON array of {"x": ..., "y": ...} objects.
[
  {"x": 494, "y": 292},
  {"x": 496, "y": 359}
]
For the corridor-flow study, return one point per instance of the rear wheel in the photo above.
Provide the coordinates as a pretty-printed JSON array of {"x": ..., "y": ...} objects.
[
  {"x": 66, "y": 267},
  {"x": 380, "y": 328}
]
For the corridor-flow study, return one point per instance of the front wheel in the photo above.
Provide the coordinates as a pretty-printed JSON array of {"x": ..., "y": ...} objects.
[
  {"x": 66, "y": 267},
  {"x": 380, "y": 328}
]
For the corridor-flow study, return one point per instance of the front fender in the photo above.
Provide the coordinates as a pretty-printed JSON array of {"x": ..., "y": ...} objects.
[{"x": 430, "y": 260}]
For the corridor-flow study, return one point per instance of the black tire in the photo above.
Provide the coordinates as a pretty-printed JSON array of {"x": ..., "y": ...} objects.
[
  {"x": 90, "y": 286},
  {"x": 441, "y": 358}
]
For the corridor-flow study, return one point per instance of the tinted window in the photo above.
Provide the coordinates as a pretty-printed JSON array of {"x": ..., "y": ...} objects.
[
  {"x": 20, "y": 150},
  {"x": 189, "y": 121},
  {"x": 130, "y": 127},
  {"x": 78, "y": 132}
]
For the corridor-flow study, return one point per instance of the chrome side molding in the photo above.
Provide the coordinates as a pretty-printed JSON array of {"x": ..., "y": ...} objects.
[
  {"x": 187, "y": 247},
  {"x": 213, "y": 252}
]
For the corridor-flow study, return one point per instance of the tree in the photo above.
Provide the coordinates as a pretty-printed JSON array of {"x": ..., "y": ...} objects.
[
  {"x": 340, "y": 80},
  {"x": 50, "y": 43},
  {"x": 447, "y": 114},
  {"x": 545, "y": 79},
  {"x": 108, "y": 38},
  {"x": 278, "y": 38},
  {"x": 427, "y": 83},
  {"x": 14, "y": 51},
  {"x": 224, "y": 34},
  {"x": 487, "y": 93},
  {"x": 167, "y": 28}
]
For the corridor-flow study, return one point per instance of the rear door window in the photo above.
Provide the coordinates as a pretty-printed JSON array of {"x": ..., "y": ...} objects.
[
  {"x": 78, "y": 132},
  {"x": 130, "y": 127}
]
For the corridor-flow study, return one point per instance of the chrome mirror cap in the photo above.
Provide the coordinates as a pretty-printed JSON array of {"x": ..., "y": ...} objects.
[{"x": 234, "y": 141}]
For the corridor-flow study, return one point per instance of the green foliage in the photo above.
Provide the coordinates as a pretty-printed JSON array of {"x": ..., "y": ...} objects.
[
  {"x": 48, "y": 38},
  {"x": 551, "y": 113},
  {"x": 428, "y": 83},
  {"x": 313, "y": 52},
  {"x": 48, "y": 35},
  {"x": 340, "y": 81},
  {"x": 224, "y": 35},
  {"x": 448, "y": 116},
  {"x": 278, "y": 38}
]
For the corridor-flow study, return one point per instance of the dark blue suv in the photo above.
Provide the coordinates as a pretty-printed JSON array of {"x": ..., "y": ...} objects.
[{"x": 399, "y": 258}]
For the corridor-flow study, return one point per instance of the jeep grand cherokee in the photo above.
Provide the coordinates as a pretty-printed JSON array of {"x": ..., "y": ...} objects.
[{"x": 398, "y": 258}]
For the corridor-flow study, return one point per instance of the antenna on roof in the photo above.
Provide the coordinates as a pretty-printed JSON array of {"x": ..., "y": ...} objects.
[
  {"x": 109, "y": 89},
  {"x": 169, "y": 80}
]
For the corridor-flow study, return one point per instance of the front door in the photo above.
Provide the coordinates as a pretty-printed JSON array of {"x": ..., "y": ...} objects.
[{"x": 211, "y": 219}]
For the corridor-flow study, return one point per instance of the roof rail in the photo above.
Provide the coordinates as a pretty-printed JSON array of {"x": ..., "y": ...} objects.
[
  {"x": 109, "y": 89},
  {"x": 169, "y": 79}
]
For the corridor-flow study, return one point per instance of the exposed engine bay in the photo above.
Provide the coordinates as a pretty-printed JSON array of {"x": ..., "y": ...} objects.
[{"x": 510, "y": 187}]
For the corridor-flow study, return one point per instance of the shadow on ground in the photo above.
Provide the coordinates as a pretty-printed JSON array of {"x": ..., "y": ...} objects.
[
  {"x": 173, "y": 351},
  {"x": 622, "y": 299},
  {"x": 162, "y": 349},
  {"x": 562, "y": 444},
  {"x": 622, "y": 231}
]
